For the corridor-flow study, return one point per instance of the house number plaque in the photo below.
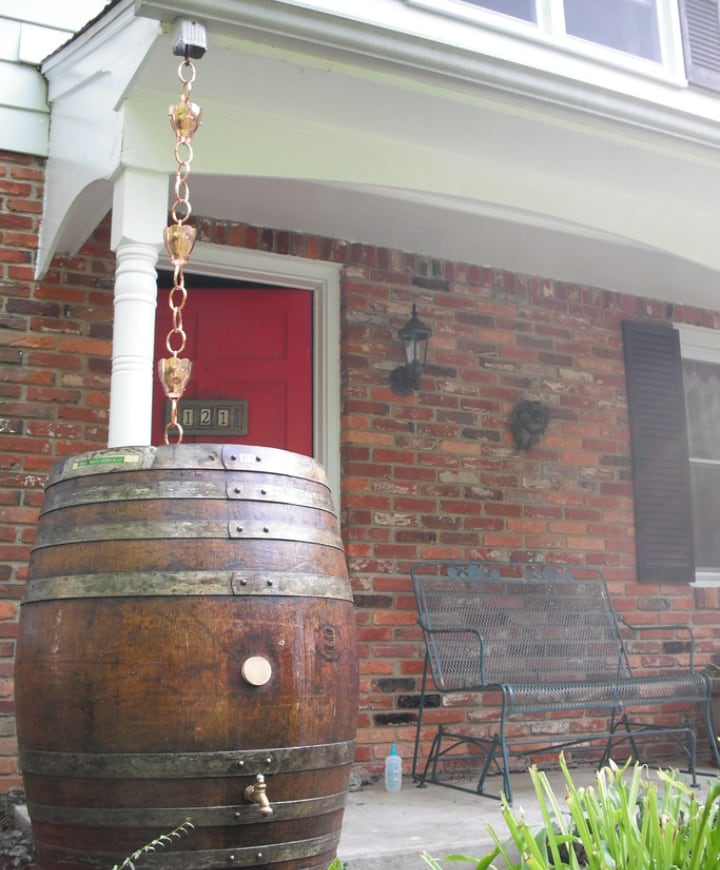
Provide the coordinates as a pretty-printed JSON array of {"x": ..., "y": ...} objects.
[{"x": 212, "y": 416}]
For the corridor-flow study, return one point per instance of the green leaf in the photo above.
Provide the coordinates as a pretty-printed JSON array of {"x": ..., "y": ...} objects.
[{"x": 160, "y": 841}]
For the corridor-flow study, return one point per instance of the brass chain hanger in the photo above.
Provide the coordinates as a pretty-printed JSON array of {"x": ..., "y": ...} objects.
[{"x": 179, "y": 239}]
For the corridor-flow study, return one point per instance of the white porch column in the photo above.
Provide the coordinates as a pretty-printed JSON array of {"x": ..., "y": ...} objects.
[{"x": 140, "y": 203}]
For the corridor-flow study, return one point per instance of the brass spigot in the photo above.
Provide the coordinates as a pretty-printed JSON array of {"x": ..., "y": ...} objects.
[{"x": 257, "y": 794}]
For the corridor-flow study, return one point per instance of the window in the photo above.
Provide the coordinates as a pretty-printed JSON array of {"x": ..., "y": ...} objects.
[
  {"x": 700, "y": 350},
  {"x": 626, "y": 25},
  {"x": 701, "y": 381},
  {"x": 649, "y": 37},
  {"x": 524, "y": 9}
]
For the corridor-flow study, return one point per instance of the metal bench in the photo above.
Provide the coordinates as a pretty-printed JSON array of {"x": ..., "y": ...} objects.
[{"x": 538, "y": 639}]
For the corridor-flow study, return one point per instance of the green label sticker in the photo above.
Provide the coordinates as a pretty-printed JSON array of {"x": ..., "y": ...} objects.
[{"x": 112, "y": 459}]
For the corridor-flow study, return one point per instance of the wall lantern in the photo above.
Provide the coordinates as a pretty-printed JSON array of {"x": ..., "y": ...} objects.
[{"x": 414, "y": 336}]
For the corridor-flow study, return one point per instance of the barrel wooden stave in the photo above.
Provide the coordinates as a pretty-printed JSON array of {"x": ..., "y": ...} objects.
[
  {"x": 140, "y": 681},
  {"x": 181, "y": 794},
  {"x": 149, "y": 556},
  {"x": 95, "y": 840}
]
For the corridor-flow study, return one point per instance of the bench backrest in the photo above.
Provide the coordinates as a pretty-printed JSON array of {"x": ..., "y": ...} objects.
[{"x": 489, "y": 623}]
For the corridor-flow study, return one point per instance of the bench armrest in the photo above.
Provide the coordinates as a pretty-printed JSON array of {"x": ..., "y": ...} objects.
[
  {"x": 448, "y": 671},
  {"x": 669, "y": 627}
]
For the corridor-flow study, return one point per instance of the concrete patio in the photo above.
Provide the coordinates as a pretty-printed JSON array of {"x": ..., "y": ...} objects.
[{"x": 392, "y": 830}]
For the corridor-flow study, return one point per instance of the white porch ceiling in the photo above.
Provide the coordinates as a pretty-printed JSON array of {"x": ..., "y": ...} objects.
[{"x": 462, "y": 230}]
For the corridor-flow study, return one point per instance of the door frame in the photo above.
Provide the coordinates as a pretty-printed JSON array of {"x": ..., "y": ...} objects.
[{"x": 323, "y": 280}]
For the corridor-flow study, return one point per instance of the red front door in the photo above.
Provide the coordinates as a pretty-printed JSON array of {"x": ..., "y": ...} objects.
[{"x": 253, "y": 345}]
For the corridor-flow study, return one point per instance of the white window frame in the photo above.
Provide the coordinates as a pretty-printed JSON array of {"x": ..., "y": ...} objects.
[
  {"x": 702, "y": 344},
  {"x": 550, "y": 31}
]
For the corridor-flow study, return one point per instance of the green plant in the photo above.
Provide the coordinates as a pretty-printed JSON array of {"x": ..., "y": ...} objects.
[
  {"x": 160, "y": 843},
  {"x": 626, "y": 822}
]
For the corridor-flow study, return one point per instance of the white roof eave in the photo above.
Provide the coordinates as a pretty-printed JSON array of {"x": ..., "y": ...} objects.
[{"x": 664, "y": 107}]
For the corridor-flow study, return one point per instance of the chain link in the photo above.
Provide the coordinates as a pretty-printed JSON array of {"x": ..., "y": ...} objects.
[{"x": 179, "y": 240}]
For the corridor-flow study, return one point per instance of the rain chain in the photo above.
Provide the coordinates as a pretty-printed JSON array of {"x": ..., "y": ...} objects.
[{"x": 179, "y": 238}]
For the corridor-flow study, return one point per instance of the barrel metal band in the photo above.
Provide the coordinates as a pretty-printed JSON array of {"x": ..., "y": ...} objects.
[
  {"x": 142, "y": 530},
  {"x": 208, "y": 456},
  {"x": 165, "y": 818},
  {"x": 185, "y": 765},
  {"x": 245, "y": 490},
  {"x": 273, "y": 461},
  {"x": 289, "y": 532},
  {"x": 217, "y": 487},
  {"x": 169, "y": 583},
  {"x": 209, "y": 859}
]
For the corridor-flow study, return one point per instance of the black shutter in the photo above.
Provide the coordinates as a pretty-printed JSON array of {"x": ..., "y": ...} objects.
[
  {"x": 658, "y": 441},
  {"x": 700, "y": 24}
]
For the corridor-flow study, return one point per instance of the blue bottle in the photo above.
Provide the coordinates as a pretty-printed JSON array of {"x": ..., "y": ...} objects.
[{"x": 393, "y": 770}]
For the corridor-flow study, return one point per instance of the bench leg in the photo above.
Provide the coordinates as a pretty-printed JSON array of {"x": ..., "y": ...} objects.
[
  {"x": 507, "y": 788},
  {"x": 692, "y": 762},
  {"x": 711, "y": 733},
  {"x": 422, "y": 778},
  {"x": 615, "y": 723},
  {"x": 495, "y": 757},
  {"x": 418, "y": 730},
  {"x": 490, "y": 760},
  {"x": 629, "y": 736},
  {"x": 444, "y": 742}
]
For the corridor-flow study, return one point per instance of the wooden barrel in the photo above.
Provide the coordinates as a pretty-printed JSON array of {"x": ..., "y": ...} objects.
[{"x": 187, "y": 626}]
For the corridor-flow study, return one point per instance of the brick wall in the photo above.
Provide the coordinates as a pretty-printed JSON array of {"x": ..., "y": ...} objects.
[
  {"x": 431, "y": 475},
  {"x": 55, "y": 342},
  {"x": 436, "y": 475}
]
